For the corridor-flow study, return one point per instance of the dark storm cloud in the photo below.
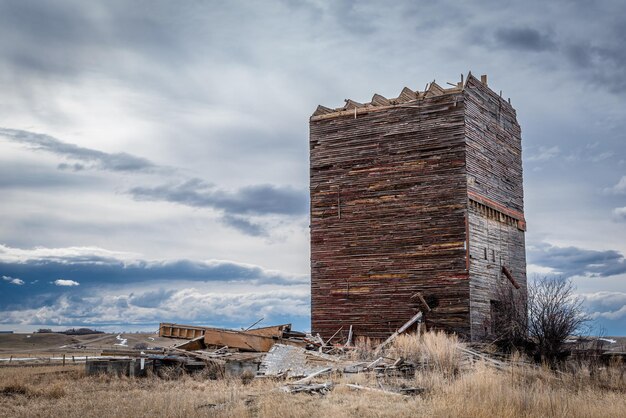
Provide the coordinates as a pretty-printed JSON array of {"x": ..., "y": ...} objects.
[
  {"x": 250, "y": 200},
  {"x": 528, "y": 39},
  {"x": 602, "y": 60},
  {"x": 100, "y": 160},
  {"x": 573, "y": 261}
]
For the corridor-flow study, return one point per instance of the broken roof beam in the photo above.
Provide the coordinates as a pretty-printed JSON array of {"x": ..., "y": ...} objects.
[
  {"x": 434, "y": 90},
  {"x": 322, "y": 110},
  {"x": 406, "y": 95},
  {"x": 378, "y": 100},
  {"x": 351, "y": 104}
]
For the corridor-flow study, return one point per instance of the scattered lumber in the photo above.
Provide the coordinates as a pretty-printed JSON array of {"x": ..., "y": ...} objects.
[
  {"x": 198, "y": 355},
  {"x": 256, "y": 340},
  {"x": 488, "y": 360},
  {"x": 321, "y": 388}
]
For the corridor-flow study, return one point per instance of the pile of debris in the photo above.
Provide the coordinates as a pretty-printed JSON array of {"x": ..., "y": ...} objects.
[{"x": 277, "y": 352}]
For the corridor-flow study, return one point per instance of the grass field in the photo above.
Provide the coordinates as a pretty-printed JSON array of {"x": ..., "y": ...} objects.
[
  {"x": 452, "y": 389},
  {"x": 49, "y": 344}
]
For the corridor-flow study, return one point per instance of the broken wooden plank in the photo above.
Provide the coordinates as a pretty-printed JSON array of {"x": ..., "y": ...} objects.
[
  {"x": 349, "y": 342},
  {"x": 193, "y": 344},
  {"x": 374, "y": 363},
  {"x": 313, "y": 375},
  {"x": 359, "y": 387},
  {"x": 403, "y": 328},
  {"x": 334, "y": 335}
]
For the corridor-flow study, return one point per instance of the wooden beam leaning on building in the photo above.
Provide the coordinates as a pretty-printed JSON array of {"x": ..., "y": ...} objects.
[
  {"x": 425, "y": 307},
  {"x": 509, "y": 276},
  {"x": 416, "y": 317}
]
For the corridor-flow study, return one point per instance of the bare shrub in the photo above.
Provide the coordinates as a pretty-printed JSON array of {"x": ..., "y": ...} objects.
[
  {"x": 554, "y": 313},
  {"x": 510, "y": 328}
]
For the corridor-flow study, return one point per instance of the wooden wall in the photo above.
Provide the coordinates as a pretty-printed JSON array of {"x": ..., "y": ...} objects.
[
  {"x": 397, "y": 187},
  {"x": 388, "y": 206},
  {"x": 496, "y": 200}
]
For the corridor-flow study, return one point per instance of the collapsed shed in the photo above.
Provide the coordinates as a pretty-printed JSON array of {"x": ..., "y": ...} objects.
[{"x": 421, "y": 194}]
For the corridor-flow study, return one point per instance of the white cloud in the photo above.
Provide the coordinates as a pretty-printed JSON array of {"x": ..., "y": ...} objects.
[
  {"x": 545, "y": 153},
  {"x": 619, "y": 188},
  {"x": 620, "y": 213},
  {"x": 601, "y": 157},
  {"x": 606, "y": 304},
  {"x": 61, "y": 255},
  {"x": 63, "y": 282},
  {"x": 189, "y": 304},
  {"x": 13, "y": 280}
]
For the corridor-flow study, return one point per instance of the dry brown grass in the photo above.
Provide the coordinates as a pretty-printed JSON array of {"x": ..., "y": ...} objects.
[
  {"x": 478, "y": 391},
  {"x": 436, "y": 350}
]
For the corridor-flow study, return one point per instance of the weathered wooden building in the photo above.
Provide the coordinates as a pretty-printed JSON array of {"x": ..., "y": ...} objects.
[{"x": 421, "y": 193}]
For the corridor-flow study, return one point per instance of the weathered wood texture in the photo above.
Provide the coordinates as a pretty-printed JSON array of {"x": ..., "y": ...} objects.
[
  {"x": 496, "y": 206},
  {"x": 391, "y": 207},
  {"x": 388, "y": 203}
]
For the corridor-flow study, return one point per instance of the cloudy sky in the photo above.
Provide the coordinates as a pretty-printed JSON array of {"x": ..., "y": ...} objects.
[{"x": 154, "y": 155}]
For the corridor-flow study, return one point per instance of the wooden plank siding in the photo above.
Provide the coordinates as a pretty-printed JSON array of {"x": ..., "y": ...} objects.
[
  {"x": 496, "y": 201},
  {"x": 390, "y": 208}
]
